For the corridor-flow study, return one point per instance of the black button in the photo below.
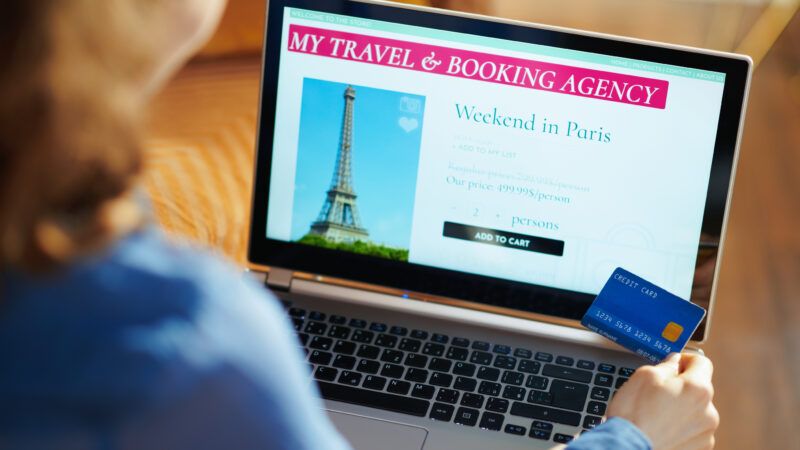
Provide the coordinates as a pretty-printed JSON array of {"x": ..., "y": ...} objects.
[
  {"x": 316, "y": 327},
  {"x": 626, "y": 371},
  {"x": 489, "y": 388},
  {"x": 399, "y": 331},
  {"x": 418, "y": 375},
  {"x": 457, "y": 353},
  {"x": 569, "y": 395},
  {"x": 491, "y": 421},
  {"x": 501, "y": 349},
  {"x": 591, "y": 421},
  {"x": 321, "y": 343},
  {"x": 320, "y": 357},
  {"x": 339, "y": 332},
  {"x": 399, "y": 387},
  {"x": 529, "y": 366},
  {"x": 465, "y": 384},
  {"x": 338, "y": 320},
  {"x": 503, "y": 238},
  {"x": 539, "y": 425},
  {"x": 303, "y": 338},
  {"x": 418, "y": 361},
  {"x": 433, "y": 349},
  {"x": 545, "y": 413},
  {"x": 584, "y": 364},
  {"x": 363, "y": 336},
  {"x": 344, "y": 362},
  {"x": 368, "y": 351},
  {"x": 488, "y": 373},
  {"x": 440, "y": 338},
  {"x": 540, "y": 397},
  {"x": 373, "y": 399},
  {"x": 422, "y": 391},
  {"x": 562, "y": 438},
  {"x": 480, "y": 345},
  {"x": 514, "y": 393},
  {"x": 462, "y": 368},
  {"x": 607, "y": 368},
  {"x": 536, "y": 382},
  {"x": 374, "y": 382},
  {"x": 565, "y": 360},
  {"x": 472, "y": 400},
  {"x": 385, "y": 340},
  {"x": 620, "y": 382},
  {"x": 297, "y": 312},
  {"x": 497, "y": 405},
  {"x": 515, "y": 429},
  {"x": 466, "y": 416},
  {"x": 505, "y": 362},
  {"x": 378, "y": 327},
  {"x": 544, "y": 357},
  {"x": 358, "y": 323},
  {"x": 325, "y": 373},
  {"x": 599, "y": 393},
  {"x": 514, "y": 378},
  {"x": 460, "y": 342},
  {"x": 447, "y": 395},
  {"x": 297, "y": 323},
  {"x": 316, "y": 315},
  {"x": 419, "y": 334},
  {"x": 603, "y": 380},
  {"x": 351, "y": 378},
  {"x": 392, "y": 370},
  {"x": 344, "y": 347},
  {"x": 567, "y": 373},
  {"x": 440, "y": 364},
  {"x": 392, "y": 356},
  {"x": 523, "y": 353},
  {"x": 596, "y": 408},
  {"x": 409, "y": 345},
  {"x": 441, "y": 379},
  {"x": 539, "y": 434},
  {"x": 441, "y": 411},
  {"x": 482, "y": 358},
  {"x": 368, "y": 366}
]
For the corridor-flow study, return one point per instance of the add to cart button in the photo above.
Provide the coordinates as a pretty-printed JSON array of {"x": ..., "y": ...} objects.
[{"x": 506, "y": 239}]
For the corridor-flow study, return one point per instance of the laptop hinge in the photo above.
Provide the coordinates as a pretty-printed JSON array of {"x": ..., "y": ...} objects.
[{"x": 279, "y": 279}]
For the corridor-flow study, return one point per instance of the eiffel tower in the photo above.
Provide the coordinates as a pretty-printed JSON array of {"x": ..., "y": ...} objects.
[{"x": 338, "y": 220}]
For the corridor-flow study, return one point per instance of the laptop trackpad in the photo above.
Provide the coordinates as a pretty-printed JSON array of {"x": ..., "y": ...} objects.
[{"x": 364, "y": 433}]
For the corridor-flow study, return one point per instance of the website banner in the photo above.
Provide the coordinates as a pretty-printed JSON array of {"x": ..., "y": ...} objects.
[{"x": 499, "y": 158}]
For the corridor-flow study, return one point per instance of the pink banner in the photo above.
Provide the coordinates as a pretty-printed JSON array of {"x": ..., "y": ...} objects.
[{"x": 558, "y": 78}]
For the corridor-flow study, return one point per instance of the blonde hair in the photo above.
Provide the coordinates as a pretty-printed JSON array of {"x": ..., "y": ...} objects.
[{"x": 69, "y": 121}]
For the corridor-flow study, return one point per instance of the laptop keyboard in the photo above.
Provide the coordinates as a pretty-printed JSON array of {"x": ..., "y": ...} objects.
[{"x": 454, "y": 379}]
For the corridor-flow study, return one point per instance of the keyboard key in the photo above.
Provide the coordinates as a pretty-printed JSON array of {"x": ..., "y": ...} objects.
[
  {"x": 398, "y": 331},
  {"x": 591, "y": 421},
  {"x": 338, "y": 320},
  {"x": 409, "y": 345},
  {"x": 344, "y": 362},
  {"x": 472, "y": 400},
  {"x": 392, "y": 370},
  {"x": 316, "y": 315},
  {"x": 439, "y": 338},
  {"x": 447, "y": 396},
  {"x": 514, "y": 393},
  {"x": 441, "y": 411},
  {"x": 368, "y": 351},
  {"x": 297, "y": 312},
  {"x": 466, "y": 369},
  {"x": 523, "y": 353},
  {"x": 569, "y": 395},
  {"x": 386, "y": 340},
  {"x": 367, "y": 366},
  {"x": 497, "y": 404},
  {"x": 488, "y": 373},
  {"x": 567, "y": 373},
  {"x": 544, "y": 357},
  {"x": 325, "y": 373},
  {"x": 620, "y": 382},
  {"x": 357, "y": 323},
  {"x": 602, "y": 379},
  {"x": 539, "y": 425},
  {"x": 539, "y": 434},
  {"x": 596, "y": 408},
  {"x": 373, "y": 399},
  {"x": 422, "y": 391},
  {"x": 378, "y": 327},
  {"x": 441, "y": 379},
  {"x": 392, "y": 356},
  {"x": 465, "y": 384},
  {"x": 457, "y": 353},
  {"x": 433, "y": 349},
  {"x": 584, "y": 364},
  {"x": 363, "y": 336},
  {"x": 398, "y": 387},
  {"x": 544, "y": 413},
  {"x": 505, "y": 362},
  {"x": 480, "y": 345},
  {"x": 601, "y": 394},
  {"x": 501, "y": 349},
  {"x": 562, "y": 438},
  {"x": 515, "y": 378},
  {"x": 529, "y": 366},
  {"x": 442, "y": 365},
  {"x": 339, "y": 332},
  {"x": 321, "y": 343},
  {"x": 417, "y": 375},
  {"x": 320, "y": 357},
  {"x": 466, "y": 416},
  {"x": 607, "y": 368},
  {"x": 491, "y": 421},
  {"x": 344, "y": 347},
  {"x": 626, "y": 371},
  {"x": 419, "y": 334},
  {"x": 374, "y": 382},
  {"x": 460, "y": 342},
  {"x": 298, "y": 324},
  {"x": 515, "y": 429},
  {"x": 349, "y": 377},
  {"x": 540, "y": 397},
  {"x": 565, "y": 360},
  {"x": 418, "y": 361},
  {"x": 482, "y": 358},
  {"x": 316, "y": 327},
  {"x": 536, "y": 382},
  {"x": 489, "y": 388},
  {"x": 303, "y": 338}
]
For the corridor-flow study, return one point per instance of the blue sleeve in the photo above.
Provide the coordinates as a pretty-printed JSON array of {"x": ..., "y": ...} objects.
[
  {"x": 615, "y": 434},
  {"x": 254, "y": 390}
]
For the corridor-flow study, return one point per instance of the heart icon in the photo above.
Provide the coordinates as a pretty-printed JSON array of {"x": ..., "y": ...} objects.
[{"x": 408, "y": 124}]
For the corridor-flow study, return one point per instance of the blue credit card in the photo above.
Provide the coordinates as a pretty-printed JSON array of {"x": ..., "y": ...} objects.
[{"x": 642, "y": 317}]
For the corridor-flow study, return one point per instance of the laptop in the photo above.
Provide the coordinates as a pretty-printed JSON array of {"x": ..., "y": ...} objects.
[{"x": 439, "y": 196}]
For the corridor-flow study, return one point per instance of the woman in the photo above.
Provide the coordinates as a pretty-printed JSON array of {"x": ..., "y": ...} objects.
[{"x": 112, "y": 338}]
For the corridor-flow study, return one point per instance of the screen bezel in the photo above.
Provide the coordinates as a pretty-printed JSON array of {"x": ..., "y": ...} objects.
[{"x": 490, "y": 291}]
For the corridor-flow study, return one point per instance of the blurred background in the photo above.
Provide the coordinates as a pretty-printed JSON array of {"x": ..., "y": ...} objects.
[{"x": 202, "y": 137}]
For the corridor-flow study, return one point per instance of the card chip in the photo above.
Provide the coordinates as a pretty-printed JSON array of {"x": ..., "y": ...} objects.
[{"x": 672, "y": 332}]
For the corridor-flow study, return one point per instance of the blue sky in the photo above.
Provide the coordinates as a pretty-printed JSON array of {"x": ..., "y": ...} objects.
[{"x": 386, "y": 140}]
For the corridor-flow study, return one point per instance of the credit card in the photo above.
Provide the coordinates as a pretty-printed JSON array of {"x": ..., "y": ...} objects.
[{"x": 642, "y": 317}]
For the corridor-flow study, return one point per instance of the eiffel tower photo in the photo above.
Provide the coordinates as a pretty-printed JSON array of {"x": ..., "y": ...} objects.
[{"x": 338, "y": 221}]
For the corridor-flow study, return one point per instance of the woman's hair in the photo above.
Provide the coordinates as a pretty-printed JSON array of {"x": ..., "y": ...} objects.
[{"x": 70, "y": 84}]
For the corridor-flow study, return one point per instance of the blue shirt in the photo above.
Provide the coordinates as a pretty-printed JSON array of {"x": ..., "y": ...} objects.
[{"x": 150, "y": 345}]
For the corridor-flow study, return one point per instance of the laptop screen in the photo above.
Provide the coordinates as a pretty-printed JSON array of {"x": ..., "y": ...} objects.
[{"x": 517, "y": 160}]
